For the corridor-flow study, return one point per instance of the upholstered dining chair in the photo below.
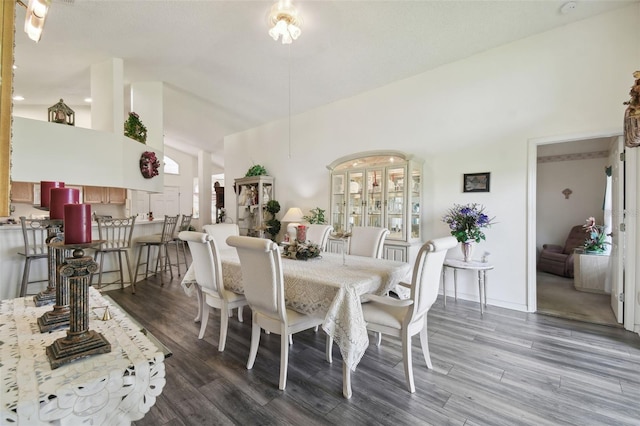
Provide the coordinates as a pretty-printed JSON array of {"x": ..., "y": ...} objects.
[
  {"x": 208, "y": 271},
  {"x": 263, "y": 285},
  {"x": 185, "y": 223},
  {"x": 319, "y": 234},
  {"x": 367, "y": 241},
  {"x": 116, "y": 234},
  {"x": 220, "y": 232},
  {"x": 404, "y": 318},
  {"x": 161, "y": 242}
]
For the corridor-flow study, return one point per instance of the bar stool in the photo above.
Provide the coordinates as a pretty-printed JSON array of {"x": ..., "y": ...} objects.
[
  {"x": 36, "y": 233},
  {"x": 184, "y": 226},
  {"x": 116, "y": 234},
  {"x": 161, "y": 241}
]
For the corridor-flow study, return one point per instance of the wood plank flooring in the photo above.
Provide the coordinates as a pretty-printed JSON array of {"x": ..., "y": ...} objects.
[{"x": 506, "y": 368}]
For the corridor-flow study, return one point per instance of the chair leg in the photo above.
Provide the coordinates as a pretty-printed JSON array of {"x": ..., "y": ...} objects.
[
  {"x": 424, "y": 341},
  {"x": 200, "y": 298},
  {"x": 168, "y": 260},
  {"x": 408, "y": 363},
  {"x": 255, "y": 341},
  {"x": 284, "y": 358},
  {"x": 177, "y": 258},
  {"x": 379, "y": 339},
  {"x": 240, "y": 314},
  {"x": 146, "y": 273},
  {"x": 25, "y": 276},
  {"x": 224, "y": 325},
  {"x": 101, "y": 256},
  {"x": 135, "y": 276},
  {"x": 119, "y": 254},
  {"x": 204, "y": 320},
  {"x": 329, "y": 349},
  {"x": 132, "y": 281},
  {"x": 291, "y": 339}
]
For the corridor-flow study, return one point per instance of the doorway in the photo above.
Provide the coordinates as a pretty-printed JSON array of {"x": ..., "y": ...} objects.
[{"x": 570, "y": 184}]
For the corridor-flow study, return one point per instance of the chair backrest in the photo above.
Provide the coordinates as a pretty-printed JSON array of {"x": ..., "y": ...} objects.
[
  {"x": 367, "y": 241},
  {"x": 575, "y": 239},
  {"x": 221, "y": 231},
  {"x": 262, "y": 278},
  {"x": 36, "y": 232},
  {"x": 427, "y": 270},
  {"x": 169, "y": 227},
  {"x": 206, "y": 261},
  {"x": 116, "y": 232},
  {"x": 319, "y": 234},
  {"x": 185, "y": 222}
]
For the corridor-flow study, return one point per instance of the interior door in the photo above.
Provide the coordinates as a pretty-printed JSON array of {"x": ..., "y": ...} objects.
[{"x": 617, "y": 235}]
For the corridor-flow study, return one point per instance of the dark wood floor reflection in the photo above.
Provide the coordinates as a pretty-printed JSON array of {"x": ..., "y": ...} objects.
[{"x": 507, "y": 368}]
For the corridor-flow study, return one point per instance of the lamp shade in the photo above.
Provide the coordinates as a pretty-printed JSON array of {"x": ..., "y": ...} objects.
[{"x": 294, "y": 214}]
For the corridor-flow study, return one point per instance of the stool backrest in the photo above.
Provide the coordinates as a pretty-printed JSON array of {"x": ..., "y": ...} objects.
[
  {"x": 116, "y": 232},
  {"x": 36, "y": 232},
  {"x": 185, "y": 223},
  {"x": 169, "y": 228}
]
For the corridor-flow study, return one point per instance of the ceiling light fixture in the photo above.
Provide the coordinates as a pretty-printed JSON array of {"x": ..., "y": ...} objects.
[
  {"x": 36, "y": 14},
  {"x": 284, "y": 21},
  {"x": 18, "y": 98}
]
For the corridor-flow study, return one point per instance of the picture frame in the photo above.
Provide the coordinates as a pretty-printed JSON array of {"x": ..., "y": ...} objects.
[{"x": 476, "y": 182}]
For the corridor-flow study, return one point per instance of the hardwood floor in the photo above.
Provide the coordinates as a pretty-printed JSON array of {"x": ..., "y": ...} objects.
[{"x": 507, "y": 368}]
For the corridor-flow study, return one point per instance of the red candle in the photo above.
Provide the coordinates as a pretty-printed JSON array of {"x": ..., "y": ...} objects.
[
  {"x": 60, "y": 197},
  {"x": 45, "y": 194},
  {"x": 77, "y": 223}
]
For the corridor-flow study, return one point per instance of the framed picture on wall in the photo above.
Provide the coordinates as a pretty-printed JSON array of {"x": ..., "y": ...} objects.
[{"x": 476, "y": 182}]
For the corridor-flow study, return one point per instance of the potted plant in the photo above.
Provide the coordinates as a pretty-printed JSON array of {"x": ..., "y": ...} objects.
[
  {"x": 273, "y": 225},
  {"x": 256, "y": 170},
  {"x": 316, "y": 216}
]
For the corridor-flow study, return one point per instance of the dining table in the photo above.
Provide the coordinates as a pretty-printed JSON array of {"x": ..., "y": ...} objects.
[{"x": 330, "y": 285}]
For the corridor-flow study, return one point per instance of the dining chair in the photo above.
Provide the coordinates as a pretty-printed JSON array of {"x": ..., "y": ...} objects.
[
  {"x": 35, "y": 233},
  {"x": 185, "y": 223},
  {"x": 263, "y": 284},
  {"x": 117, "y": 235},
  {"x": 404, "y": 318},
  {"x": 367, "y": 241},
  {"x": 208, "y": 271},
  {"x": 220, "y": 232},
  {"x": 160, "y": 241},
  {"x": 319, "y": 234}
]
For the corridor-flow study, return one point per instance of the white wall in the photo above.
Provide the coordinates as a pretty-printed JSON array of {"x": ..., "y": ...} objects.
[
  {"x": 184, "y": 181},
  {"x": 557, "y": 215},
  {"x": 475, "y": 115}
]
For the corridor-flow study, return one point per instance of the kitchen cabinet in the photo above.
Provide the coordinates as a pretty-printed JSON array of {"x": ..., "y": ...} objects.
[
  {"x": 381, "y": 189},
  {"x": 253, "y": 193},
  {"x": 22, "y": 192},
  {"x": 104, "y": 195}
]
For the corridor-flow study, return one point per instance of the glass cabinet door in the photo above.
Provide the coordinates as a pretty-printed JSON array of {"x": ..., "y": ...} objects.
[
  {"x": 395, "y": 203},
  {"x": 374, "y": 207},
  {"x": 338, "y": 202},
  {"x": 355, "y": 201},
  {"x": 415, "y": 190}
]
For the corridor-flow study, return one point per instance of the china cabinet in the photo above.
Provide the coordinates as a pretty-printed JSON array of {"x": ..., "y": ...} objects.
[
  {"x": 253, "y": 193},
  {"x": 380, "y": 188}
]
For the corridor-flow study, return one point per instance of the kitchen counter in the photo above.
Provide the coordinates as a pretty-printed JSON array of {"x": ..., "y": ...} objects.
[{"x": 12, "y": 264}]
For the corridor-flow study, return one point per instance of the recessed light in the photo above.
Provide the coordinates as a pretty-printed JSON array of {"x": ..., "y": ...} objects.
[
  {"x": 87, "y": 100},
  {"x": 15, "y": 67},
  {"x": 18, "y": 98}
]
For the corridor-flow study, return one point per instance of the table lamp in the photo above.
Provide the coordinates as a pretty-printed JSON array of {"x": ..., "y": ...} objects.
[{"x": 293, "y": 216}]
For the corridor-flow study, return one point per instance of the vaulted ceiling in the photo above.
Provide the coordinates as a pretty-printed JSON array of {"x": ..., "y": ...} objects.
[{"x": 224, "y": 74}]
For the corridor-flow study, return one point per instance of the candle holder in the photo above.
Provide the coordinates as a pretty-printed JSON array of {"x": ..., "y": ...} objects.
[
  {"x": 80, "y": 341},
  {"x": 48, "y": 295}
]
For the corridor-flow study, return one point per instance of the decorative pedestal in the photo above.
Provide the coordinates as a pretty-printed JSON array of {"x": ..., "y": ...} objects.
[
  {"x": 59, "y": 316},
  {"x": 590, "y": 272},
  {"x": 80, "y": 341}
]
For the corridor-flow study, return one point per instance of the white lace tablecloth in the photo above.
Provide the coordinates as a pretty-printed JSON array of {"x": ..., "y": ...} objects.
[
  {"x": 107, "y": 389},
  {"x": 324, "y": 285}
]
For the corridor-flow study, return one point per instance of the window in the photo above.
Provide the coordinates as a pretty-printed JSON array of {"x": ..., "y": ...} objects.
[{"x": 170, "y": 166}]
